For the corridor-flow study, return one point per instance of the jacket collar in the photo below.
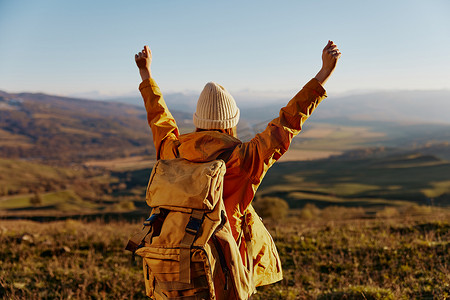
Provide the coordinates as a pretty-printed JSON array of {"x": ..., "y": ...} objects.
[{"x": 206, "y": 145}]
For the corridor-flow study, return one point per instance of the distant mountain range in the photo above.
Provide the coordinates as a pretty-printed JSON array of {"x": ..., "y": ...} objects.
[{"x": 393, "y": 106}]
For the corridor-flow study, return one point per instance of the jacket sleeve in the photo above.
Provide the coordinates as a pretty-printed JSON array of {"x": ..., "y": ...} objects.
[
  {"x": 259, "y": 154},
  {"x": 163, "y": 125}
]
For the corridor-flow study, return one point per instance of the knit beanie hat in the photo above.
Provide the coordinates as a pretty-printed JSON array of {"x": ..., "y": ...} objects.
[{"x": 216, "y": 108}]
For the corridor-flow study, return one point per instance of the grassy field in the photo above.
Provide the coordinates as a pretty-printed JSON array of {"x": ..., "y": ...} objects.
[
  {"x": 333, "y": 255},
  {"x": 326, "y": 137},
  {"x": 35, "y": 189}
]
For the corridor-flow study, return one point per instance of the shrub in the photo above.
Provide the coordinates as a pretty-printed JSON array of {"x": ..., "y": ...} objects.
[
  {"x": 125, "y": 205},
  {"x": 387, "y": 212},
  {"x": 309, "y": 212},
  {"x": 271, "y": 207},
  {"x": 36, "y": 199}
]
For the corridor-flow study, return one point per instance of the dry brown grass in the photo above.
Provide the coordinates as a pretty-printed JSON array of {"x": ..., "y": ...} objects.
[
  {"x": 67, "y": 260},
  {"x": 388, "y": 257}
]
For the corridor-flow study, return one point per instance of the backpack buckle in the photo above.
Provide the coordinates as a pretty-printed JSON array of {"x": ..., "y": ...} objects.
[
  {"x": 194, "y": 225},
  {"x": 151, "y": 219},
  {"x": 158, "y": 212}
]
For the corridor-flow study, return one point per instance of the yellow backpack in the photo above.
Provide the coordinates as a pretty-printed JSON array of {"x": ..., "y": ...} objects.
[{"x": 187, "y": 246}]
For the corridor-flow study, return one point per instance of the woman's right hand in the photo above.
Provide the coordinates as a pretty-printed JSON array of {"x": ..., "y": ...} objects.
[
  {"x": 330, "y": 56},
  {"x": 143, "y": 61}
]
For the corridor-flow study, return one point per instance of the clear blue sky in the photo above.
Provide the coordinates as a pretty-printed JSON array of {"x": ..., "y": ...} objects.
[{"x": 70, "y": 47}]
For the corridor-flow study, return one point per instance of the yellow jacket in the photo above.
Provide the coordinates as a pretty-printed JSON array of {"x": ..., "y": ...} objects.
[{"x": 246, "y": 164}]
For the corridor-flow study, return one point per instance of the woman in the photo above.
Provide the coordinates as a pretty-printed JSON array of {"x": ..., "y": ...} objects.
[{"x": 216, "y": 118}]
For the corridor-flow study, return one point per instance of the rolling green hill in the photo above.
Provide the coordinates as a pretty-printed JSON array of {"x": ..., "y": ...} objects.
[
  {"x": 373, "y": 182},
  {"x": 30, "y": 189}
]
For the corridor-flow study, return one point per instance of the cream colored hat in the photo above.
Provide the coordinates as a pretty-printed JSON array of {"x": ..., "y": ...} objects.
[{"x": 216, "y": 108}]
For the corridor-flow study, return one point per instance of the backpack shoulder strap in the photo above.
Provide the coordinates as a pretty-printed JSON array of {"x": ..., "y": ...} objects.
[{"x": 191, "y": 231}]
